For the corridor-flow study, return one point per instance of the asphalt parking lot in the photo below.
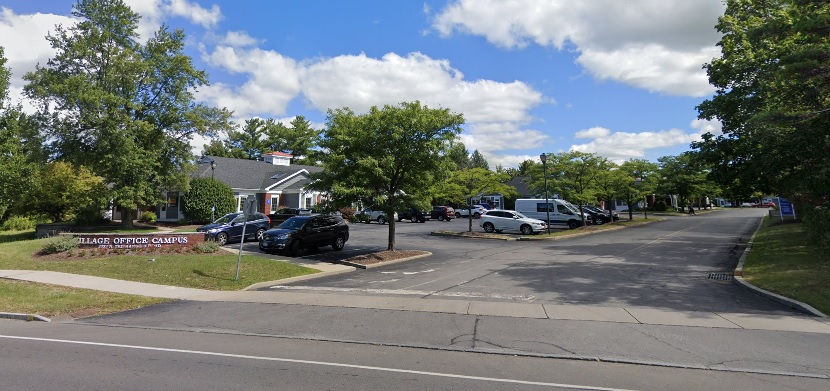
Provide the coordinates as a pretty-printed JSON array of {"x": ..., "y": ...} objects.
[{"x": 668, "y": 264}]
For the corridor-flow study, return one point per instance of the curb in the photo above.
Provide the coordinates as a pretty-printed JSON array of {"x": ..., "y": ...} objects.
[
  {"x": 312, "y": 276},
  {"x": 738, "y": 278},
  {"x": 26, "y": 317},
  {"x": 359, "y": 266}
]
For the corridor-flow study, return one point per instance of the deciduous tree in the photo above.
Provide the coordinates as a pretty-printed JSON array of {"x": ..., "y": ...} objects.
[
  {"x": 389, "y": 155},
  {"x": 121, "y": 108}
]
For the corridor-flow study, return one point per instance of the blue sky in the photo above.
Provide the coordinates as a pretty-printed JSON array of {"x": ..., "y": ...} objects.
[{"x": 617, "y": 78}]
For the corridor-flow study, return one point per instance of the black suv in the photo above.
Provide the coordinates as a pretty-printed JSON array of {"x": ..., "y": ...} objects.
[
  {"x": 414, "y": 215},
  {"x": 285, "y": 213},
  {"x": 302, "y": 232},
  {"x": 229, "y": 227},
  {"x": 596, "y": 215}
]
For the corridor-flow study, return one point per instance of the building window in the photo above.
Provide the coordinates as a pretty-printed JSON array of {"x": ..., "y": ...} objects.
[
  {"x": 172, "y": 200},
  {"x": 275, "y": 203}
]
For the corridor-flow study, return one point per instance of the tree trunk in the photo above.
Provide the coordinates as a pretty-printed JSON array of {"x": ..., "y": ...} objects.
[
  {"x": 126, "y": 218},
  {"x": 392, "y": 222}
]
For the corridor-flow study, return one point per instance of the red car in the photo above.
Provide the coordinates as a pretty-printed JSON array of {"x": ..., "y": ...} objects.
[
  {"x": 767, "y": 204},
  {"x": 442, "y": 213}
]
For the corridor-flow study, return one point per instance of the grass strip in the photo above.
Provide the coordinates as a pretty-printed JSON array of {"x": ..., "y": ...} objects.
[
  {"x": 52, "y": 301},
  {"x": 782, "y": 261}
]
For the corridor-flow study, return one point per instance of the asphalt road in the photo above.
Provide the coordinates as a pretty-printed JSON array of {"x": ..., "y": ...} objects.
[
  {"x": 83, "y": 357},
  {"x": 667, "y": 265}
]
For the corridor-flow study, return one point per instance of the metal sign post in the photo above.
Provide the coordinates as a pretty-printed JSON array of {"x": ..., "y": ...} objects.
[{"x": 248, "y": 209}]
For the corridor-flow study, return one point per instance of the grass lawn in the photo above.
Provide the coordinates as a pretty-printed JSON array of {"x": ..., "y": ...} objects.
[
  {"x": 781, "y": 261},
  {"x": 209, "y": 271}
]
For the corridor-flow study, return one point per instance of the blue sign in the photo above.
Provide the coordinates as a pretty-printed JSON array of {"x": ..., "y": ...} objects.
[{"x": 785, "y": 207}]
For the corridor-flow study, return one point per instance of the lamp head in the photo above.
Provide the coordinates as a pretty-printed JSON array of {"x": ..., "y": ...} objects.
[{"x": 543, "y": 157}]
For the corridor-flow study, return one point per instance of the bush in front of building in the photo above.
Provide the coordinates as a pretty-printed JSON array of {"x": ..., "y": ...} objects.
[
  {"x": 204, "y": 194},
  {"x": 17, "y": 223},
  {"x": 147, "y": 217}
]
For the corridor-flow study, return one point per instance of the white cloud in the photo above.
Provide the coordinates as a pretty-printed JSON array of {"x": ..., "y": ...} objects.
[
  {"x": 360, "y": 82},
  {"x": 238, "y": 39},
  {"x": 620, "y": 146},
  {"x": 194, "y": 12},
  {"x": 595, "y": 132},
  {"x": 707, "y": 126},
  {"x": 273, "y": 81},
  {"x": 657, "y": 45},
  {"x": 154, "y": 12},
  {"x": 23, "y": 38}
]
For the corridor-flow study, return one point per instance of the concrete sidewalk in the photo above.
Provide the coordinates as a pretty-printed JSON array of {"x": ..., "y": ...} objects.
[{"x": 639, "y": 315}]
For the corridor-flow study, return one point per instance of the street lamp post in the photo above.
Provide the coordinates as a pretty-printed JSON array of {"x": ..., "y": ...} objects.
[
  {"x": 213, "y": 177},
  {"x": 544, "y": 158}
]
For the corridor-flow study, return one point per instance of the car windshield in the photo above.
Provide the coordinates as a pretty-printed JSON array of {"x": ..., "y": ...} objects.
[
  {"x": 226, "y": 218},
  {"x": 293, "y": 223},
  {"x": 521, "y": 216}
]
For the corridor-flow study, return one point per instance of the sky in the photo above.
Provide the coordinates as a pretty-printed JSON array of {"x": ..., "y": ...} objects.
[{"x": 617, "y": 78}]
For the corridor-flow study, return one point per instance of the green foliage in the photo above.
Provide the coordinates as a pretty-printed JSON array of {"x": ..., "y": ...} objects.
[
  {"x": 387, "y": 156},
  {"x": 17, "y": 223},
  {"x": 59, "y": 244},
  {"x": 207, "y": 247},
  {"x": 22, "y": 152},
  {"x": 203, "y": 195},
  {"x": 62, "y": 191},
  {"x": 477, "y": 160},
  {"x": 5, "y": 74},
  {"x": 90, "y": 216},
  {"x": 126, "y": 111},
  {"x": 259, "y": 136},
  {"x": 772, "y": 98},
  {"x": 660, "y": 206},
  {"x": 817, "y": 224},
  {"x": 147, "y": 217}
]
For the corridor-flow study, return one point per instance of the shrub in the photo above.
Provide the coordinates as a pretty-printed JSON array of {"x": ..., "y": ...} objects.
[
  {"x": 207, "y": 247},
  {"x": 659, "y": 206},
  {"x": 817, "y": 224},
  {"x": 89, "y": 216},
  {"x": 347, "y": 213},
  {"x": 18, "y": 223},
  {"x": 59, "y": 244},
  {"x": 147, "y": 217},
  {"x": 204, "y": 194}
]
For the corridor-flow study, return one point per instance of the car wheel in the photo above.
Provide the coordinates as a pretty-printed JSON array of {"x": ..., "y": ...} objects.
[
  {"x": 338, "y": 243},
  {"x": 295, "y": 248},
  {"x": 222, "y": 238},
  {"x": 526, "y": 229},
  {"x": 381, "y": 220},
  {"x": 457, "y": 215},
  {"x": 598, "y": 221},
  {"x": 573, "y": 224},
  {"x": 488, "y": 227},
  {"x": 440, "y": 217},
  {"x": 413, "y": 219},
  {"x": 477, "y": 215},
  {"x": 260, "y": 234}
]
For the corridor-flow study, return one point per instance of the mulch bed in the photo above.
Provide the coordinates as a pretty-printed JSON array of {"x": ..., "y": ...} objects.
[{"x": 384, "y": 256}]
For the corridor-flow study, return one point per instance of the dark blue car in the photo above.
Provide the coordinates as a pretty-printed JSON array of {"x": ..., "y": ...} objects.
[
  {"x": 303, "y": 232},
  {"x": 228, "y": 228}
]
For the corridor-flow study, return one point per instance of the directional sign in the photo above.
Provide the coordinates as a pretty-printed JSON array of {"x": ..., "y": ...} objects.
[{"x": 785, "y": 207}]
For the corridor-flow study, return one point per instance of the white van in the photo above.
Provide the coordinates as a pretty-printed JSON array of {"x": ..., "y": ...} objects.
[{"x": 561, "y": 212}]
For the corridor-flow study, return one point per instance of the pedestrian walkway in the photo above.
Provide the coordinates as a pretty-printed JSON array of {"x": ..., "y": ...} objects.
[{"x": 637, "y": 315}]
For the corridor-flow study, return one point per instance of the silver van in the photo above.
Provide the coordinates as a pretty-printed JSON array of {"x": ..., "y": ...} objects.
[{"x": 561, "y": 212}]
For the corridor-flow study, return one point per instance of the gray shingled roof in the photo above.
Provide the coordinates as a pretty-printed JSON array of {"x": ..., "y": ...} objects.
[
  {"x": 520, "y": 183},
  {"x": 248, "y": 174}
]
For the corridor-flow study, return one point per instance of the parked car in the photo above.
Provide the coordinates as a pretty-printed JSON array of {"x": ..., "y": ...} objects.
[
  {"x": 442, "y": 213},
  {"x": 477, "y": 211},
  {"x": 414, "y": 215},
  {"x": 285, "y": 213},
  {"x": 229, "y": 227},
  {"x": 368, "y": 215},
  {"x": 304, "y": 232},
  {"x": 597, "y": 215},
  {"x": 765, "y": 204},
  {"x": 746, "y": 204},
  {"x": 510, "y": 220},
  {"x": 560, "y": 211}
]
